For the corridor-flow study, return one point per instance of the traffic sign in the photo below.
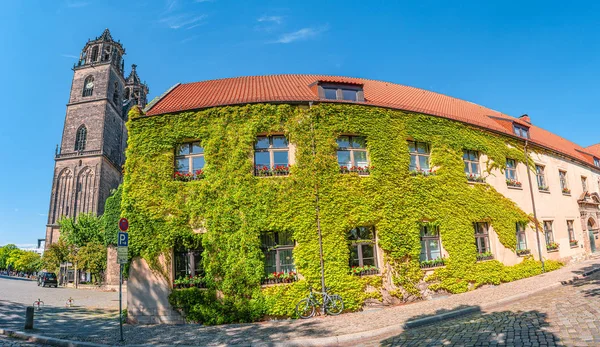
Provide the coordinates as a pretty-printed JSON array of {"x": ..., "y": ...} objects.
[
  {"x": 123, "y": 224},
  {"x": 122, "y": 255},
  {"x": 123, "y": 239}
]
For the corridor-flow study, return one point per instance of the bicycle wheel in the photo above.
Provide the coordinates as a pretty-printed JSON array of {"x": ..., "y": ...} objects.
[
  {"x": 305, "y": 309},
  {"x": 335, "y": 305}
]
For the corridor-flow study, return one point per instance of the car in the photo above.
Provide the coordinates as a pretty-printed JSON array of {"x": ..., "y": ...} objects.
[{"x": 48, "y": 279}]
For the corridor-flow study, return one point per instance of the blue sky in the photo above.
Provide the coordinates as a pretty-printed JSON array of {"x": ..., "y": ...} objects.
[{"x": 516, "y": 57}]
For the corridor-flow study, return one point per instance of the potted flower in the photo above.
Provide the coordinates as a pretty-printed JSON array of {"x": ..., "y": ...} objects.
[
  {"x": 281, "y": 170},
  {"x": 513, "y": 183},
  {"x": 475, "y": 178},
  {"x": 543, "y": 188},
  {"x": 573, "y": 243},
  {"x": 522, "y": 252},
  {"x": 183, "y": 176},
  {"x": 199, "y": 174},
  {"x": 485, "y": 256},
  {"x": 344, "y": 169},
  {"x": 566, "y": 191},
  {"x": 552, "y": 246},
  {"x": 261, "y": 170},
  {"x": 426, "y": 264}
]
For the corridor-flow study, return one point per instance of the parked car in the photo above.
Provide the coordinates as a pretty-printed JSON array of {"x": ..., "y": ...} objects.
[{"x": 48, "y": 279}]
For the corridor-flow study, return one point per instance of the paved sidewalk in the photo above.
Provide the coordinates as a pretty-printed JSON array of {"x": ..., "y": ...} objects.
[{"x": 341, "y": 330}]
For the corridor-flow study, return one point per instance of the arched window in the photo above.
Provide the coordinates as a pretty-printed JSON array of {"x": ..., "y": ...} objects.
[
  {"x": 126, "y": 97},
  {"x": 94, "y": 54},
  {"x": 88, "y": 86},
  {"x": 116, "y": 94},
  {"x": 80, "y": 138}
]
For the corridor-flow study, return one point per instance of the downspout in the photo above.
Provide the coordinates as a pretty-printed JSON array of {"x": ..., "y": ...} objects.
[
  {"x": 317, "y": 212},
  {"x": 537, "y": 229}
]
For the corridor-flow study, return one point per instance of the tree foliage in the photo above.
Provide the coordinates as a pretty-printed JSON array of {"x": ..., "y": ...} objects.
[
  {"x": 5, "y": 253},
  {"x": 16, "y": 259},
  {"x": 82, "y": 230},
  {"x": 111, "y": 216},
  {"x": 56, "y": 254}
]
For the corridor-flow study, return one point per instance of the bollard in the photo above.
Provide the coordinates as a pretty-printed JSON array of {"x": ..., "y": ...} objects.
[{"x": 29, "y": 317}]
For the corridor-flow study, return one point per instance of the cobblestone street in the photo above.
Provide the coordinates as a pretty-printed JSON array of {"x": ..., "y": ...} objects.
[{"x": 565, "y": 316}]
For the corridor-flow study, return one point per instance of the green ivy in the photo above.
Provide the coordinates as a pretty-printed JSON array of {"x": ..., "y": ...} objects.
[{"x": 231, "y": 206}]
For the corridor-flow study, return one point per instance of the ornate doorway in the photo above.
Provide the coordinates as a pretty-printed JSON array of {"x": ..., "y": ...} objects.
[{"x": 592, "y": 234}]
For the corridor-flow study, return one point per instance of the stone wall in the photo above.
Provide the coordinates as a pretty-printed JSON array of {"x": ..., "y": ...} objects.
[
  {"x": 147, "y": 295},
  {"x": 112, "y": 268}
]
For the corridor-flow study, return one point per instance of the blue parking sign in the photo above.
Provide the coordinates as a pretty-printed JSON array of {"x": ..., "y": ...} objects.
[{"x": 123, "y": 240}]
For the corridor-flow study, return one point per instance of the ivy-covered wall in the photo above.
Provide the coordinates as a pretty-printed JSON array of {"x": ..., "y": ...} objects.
[{"x": 233, "y": 206}]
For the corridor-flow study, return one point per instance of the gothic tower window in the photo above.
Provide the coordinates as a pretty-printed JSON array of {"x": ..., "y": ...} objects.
[
  {"x": 94, "y": 54},
  {"x": 80, "y": 138},
  {"x": 106, "y": 54},
  {"x": 126, "y": 97},
  {"x": 116, "y": 94},
  {"x": 88, "y": 86}
]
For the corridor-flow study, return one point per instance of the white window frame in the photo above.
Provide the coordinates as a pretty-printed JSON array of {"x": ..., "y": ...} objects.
[{"x": 418, "y": 155}]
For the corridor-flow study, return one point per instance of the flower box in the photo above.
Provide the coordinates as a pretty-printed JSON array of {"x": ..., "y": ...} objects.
[
  {"x": 543, "y": 188},
  {"x": 189, "y": 282},
  {"x": 513, "y": 183},
  {"x": 366, "y": 270},
  {"x": 428, "y": 264},
  {"x": 485, "y": 256},
  {"x": 523, "y": 252},
  {"x": 475, "y": 178},
  {"x": 573, "y": 243},
  {"x": 188, "y": 176},
  {"x": 566, "y": 191},
  {"x": 552, "y": 247},
  {"x": 422, "y": 172},
  {"x": 280, "y": 277},
  {"x": 278, "y": 170},
  {"x": 361, "y": 170}
]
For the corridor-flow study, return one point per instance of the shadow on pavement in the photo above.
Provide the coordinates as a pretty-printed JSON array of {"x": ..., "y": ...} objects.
[{"x": 504, "y": 328}]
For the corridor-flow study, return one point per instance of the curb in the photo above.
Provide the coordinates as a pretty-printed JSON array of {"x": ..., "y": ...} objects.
[
  {"x": 333, "y": 340},
  {"x": 47, "y": 340}
]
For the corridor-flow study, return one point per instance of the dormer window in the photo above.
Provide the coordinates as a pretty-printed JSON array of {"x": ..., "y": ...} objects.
[
  {"x": 596, "y": 162},
  {"x": 521, "y": 131},
  {"x": 346, "y": 92}
]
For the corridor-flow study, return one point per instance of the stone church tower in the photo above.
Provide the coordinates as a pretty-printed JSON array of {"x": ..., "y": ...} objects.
[{"x": 92, "y": 151}]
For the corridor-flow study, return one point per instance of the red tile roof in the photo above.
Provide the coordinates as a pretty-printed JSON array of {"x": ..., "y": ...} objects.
[{"x": 296, "y": 88}]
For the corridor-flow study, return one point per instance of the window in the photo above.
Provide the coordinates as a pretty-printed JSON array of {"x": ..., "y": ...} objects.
[
  {"x": 548, "y": 232},
  {"x": 430, "y": 243},
  {"x": 271, "y": 156},
  {"x": 348, "y": 93},
  {"x": 541, "y": 178},
  {"x": 126, "y": 97},
  {"x": 482, "y": 239},
  {"x": 80, "y": 138},
  {"x": 471, "y": 159},
  {"x": 419, "y": 156},
  {"x": 116, "y": 94},
  {"x": 188, "y": 262},
  {"x": 521, "y": 131},
  {"x": 596, "y": 162},
  {"x": 564, "y": 184},
  {"x": 352, "y": 154},
  {"x": 362, "y": 246},
  {"x": 571, "y": 231},
  {"x": 88, "y": 86},
  {"x": 511, "y": 173},
  {"x": 278, "y": 247},
  {"x": 94, "y": 54},
  {"x": 189, "y": 161},
  {"x": 521, "y": 238},
  {"x": 584, "y": 183}
]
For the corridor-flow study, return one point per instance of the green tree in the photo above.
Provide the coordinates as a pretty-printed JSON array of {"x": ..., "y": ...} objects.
[
  {"x": 28, "y": 261},
  {"x": 93, "y": 258},
  {"x": 82, "y": 230},
  {"x": 13, "y": 259},
  {"x": 54, "y": 255},
  {"x": 112, "y": 214},
  {"x": 4, "y": 254}
]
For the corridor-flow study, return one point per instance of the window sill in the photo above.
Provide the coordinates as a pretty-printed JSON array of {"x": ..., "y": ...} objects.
[
  {"x": 515, "y": 187},
  {"x": 524, "y": 254},
  {"x": 425, "y": 268},
  {"x": 275, "y": 282},
  {"x": 566, "y": 194},
  {"x": 552, "y": 250},
  {"x": 270, "y": 176},
  {"x": 475, "y": 182},
  {"x": 544, "y": 191},
  {"x": 485, "y": 259},
  {"x": 576, "y": 246},
  {"x": 367, "y": 273}
]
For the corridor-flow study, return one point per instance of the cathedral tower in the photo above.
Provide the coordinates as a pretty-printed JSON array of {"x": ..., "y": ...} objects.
[{"x": 89, "y": 163}]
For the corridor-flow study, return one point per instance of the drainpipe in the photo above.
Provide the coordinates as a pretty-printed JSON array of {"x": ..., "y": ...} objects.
[
  {"x": 317, "y": 215},
  {"x": 537, "y": 228}
]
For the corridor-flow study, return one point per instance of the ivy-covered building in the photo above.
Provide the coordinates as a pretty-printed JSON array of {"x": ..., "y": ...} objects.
[{"x": 230, "y": 184}]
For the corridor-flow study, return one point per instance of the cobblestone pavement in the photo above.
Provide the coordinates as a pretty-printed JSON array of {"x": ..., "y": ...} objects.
[
  {"x": 9, "y": 342},
  {"x": 564, "y": 316},
  {"x": 100, "y": 325}
]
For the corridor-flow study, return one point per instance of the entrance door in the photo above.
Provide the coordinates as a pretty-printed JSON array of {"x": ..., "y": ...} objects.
[{"x": 591, "y": 235}]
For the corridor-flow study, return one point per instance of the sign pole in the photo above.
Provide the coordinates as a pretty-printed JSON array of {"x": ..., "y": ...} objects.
[{"x": 121, "y": 300}]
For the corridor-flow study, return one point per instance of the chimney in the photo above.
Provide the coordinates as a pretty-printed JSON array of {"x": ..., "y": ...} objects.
[{"x": 525, "y": 118}]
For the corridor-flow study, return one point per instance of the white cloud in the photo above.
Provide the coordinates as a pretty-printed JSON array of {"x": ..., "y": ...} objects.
[
  {"x": 274, "y": 19},
  {"x": 302, "y": 34},
  {"x": 182, "y": 21},
  {"x": 69, "y": 56}
]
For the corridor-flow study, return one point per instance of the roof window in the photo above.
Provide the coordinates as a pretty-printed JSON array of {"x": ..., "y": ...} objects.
[
  {"x": 596, "y": 162},
  {"x": 346, "y": 92},
  {"x": 521, "y": 131}
]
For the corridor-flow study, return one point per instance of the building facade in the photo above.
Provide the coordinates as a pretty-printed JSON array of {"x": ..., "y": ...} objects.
[{"x": 88, "y": 163}]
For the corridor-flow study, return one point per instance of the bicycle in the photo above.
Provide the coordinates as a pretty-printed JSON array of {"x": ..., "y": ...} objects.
[
  {"x": 333, "y": 304},
  {"x": 38, "y": 304}
]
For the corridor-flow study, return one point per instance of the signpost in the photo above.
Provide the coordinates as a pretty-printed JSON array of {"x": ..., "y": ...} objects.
[{"x": 122, "y": 244}]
